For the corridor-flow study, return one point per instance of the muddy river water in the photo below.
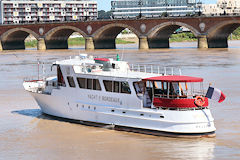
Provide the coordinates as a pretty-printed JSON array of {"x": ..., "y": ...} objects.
[{"x": 26, "y": 133}]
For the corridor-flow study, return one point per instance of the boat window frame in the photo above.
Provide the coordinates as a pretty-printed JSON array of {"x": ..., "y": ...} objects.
[
  {"x": 71, "y": 82},
  {"x": 61, "y": 82},
  {"x": 139, "y": 90},
  {"x": 185, "y": 90},
  {"x": 95, "y": 84},
  {"x": 121, "y": 87},
  {"x": 114, "y": 86},
  {"x": 79, "y": 84},
  {"x": 120, "y": 84},
  {"x": 89, "y": 83},
  {"x": 109, "y": 85}
]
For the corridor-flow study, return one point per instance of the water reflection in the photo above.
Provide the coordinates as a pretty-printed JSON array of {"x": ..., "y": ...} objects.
[{"x": 105, "y": 144}]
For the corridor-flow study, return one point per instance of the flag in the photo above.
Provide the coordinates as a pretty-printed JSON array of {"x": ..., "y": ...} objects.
[{"x": 215, "y": 94}]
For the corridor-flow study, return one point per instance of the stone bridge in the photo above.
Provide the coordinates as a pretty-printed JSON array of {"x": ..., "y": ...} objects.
[{"x": 211, "y": 32}]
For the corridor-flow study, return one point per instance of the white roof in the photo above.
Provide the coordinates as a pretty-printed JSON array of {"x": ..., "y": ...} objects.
[{"x": 123, "y": 71}]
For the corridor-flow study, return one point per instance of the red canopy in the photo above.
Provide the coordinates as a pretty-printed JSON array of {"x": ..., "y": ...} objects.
[
  {"x": 101, "y": 59},
  {"x": 175, "y": 79}
]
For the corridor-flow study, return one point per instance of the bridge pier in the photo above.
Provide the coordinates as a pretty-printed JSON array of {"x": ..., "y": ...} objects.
[
  {"x": 143, "y": 42},
  {"x": 202, "y": 41},
  {"x": 1, "y": 48},
  {"x": 41, "y": 44},
  {"x": 89, "y": 45}
]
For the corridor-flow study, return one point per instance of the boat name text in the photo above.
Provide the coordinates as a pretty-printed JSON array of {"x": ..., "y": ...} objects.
[{"x": 104, "y": 98}]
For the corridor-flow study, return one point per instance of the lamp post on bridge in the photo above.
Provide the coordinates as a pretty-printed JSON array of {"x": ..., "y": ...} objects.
[
  {"x": 140, "y": 3},
  {"x": 86, "y": 14},
  {"x": 166, "y": 3},
  {"x": 199, "y": 6},
  {"x": 224, "y": 6}
]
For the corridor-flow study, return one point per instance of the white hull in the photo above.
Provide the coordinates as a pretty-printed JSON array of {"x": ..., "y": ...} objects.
[
  {"x": 107, "y": 91},
  {"x": 180, "y": 122}
]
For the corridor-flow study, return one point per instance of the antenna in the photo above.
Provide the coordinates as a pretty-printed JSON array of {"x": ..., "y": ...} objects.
[
  {"x": 43, "y": 70},
  {"x": 122, "y": 52},
  {"x": 38, "y": 68}
]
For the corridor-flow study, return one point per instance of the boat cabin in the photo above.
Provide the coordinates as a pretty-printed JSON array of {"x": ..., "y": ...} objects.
[
  {"x": 172, "y": 92},
  {"x": 115, "y": 79}
]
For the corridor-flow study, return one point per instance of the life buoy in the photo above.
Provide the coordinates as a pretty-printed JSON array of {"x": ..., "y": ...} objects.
[{"x": 199, "y": 101}]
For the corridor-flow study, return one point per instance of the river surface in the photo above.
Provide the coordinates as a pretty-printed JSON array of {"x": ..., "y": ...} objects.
[{"x": 26, "y": 133}]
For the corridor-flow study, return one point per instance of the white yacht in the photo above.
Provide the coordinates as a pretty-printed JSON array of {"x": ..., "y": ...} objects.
[{"x": 104, "y": 91}]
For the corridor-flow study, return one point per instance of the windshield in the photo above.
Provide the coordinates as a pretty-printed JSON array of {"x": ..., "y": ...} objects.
[{"x": 177, "y": 89}]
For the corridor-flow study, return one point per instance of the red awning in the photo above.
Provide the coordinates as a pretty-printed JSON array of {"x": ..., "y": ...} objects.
[
  {"x": 175, "y": 79},
  {"x": 101, "y": 59}
]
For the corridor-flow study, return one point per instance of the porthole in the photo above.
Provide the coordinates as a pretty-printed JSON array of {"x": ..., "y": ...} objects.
[
  {"x": 141, "y": 114},
  {"x": 161, "y": 116},
  {"x": 123, "y": 112},
  {"x": 112, "y": 110}
]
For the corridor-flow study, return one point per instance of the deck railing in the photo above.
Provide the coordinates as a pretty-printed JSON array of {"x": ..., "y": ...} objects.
[{"x": 155, "y": 69}]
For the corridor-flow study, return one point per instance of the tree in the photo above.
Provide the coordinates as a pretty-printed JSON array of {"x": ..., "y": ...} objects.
[
  {"x": 164, "y": 14},
  {"x": 104, "y": 15}
]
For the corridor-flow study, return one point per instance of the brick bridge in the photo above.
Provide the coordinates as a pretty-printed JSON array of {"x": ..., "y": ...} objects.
[{"x": 212, "y": 32}]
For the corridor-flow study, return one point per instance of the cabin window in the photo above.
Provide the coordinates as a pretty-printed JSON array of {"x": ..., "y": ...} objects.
[
  {"x": 108, "y": 85},
  {"x": 71, "y": 81},
  {"x": 81, "y": 82},
  {"x": 125, "y": 88},
  {"x": 96, "y": 85},
  {"x": 116, "y": 87},
  {"x": 60, "y": 78},
  {"x": 158, "y": 88},
  {"x": 149, "y": 84},
  {"x": 170, "y": 89},
  {"x": 139, "y": 87},
  {"x": 113, "y": 65},
  {"x": 89, "y": 83}
]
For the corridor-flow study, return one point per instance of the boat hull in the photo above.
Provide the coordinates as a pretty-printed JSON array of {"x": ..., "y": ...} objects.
[{"x": 198, "y": 123}]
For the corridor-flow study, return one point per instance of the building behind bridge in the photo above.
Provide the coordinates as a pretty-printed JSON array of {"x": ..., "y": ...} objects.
[
  {"x": 26, "y": 11},
  {"x": 222, "y": 7},
  {"x": 153, "y": 8}
]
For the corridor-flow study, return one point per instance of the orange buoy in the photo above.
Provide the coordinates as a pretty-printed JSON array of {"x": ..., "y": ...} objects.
[{"x": 199, "y": 101}]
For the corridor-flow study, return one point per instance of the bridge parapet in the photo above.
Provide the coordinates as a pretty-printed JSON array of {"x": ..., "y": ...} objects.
[{"x": 152, "y": 33}]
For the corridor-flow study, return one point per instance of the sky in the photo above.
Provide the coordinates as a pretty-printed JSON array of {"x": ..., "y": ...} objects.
[{"x": 106, "y": 4}]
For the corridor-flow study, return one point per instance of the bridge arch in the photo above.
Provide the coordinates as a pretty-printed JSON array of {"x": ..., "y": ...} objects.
[
  {"x": 217, "y": 35},
  {"x": 14, "y": 38},
  {"x": 158, "y": 36},
  {"x": 104, "y": 37},
  {"x": 57, "y": 38}
]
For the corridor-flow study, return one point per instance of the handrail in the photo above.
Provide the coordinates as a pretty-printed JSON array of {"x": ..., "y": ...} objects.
[{"x": 155, "y": 69}]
